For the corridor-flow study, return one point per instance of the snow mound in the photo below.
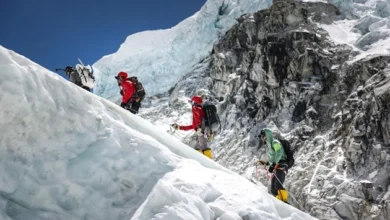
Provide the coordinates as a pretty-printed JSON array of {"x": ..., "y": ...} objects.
[
  {"x": 69, "y": 154},
  {"x": 162, "y": 57}
]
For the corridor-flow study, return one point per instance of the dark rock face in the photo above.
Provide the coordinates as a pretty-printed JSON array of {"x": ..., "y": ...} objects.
[
  {"x": 277, "y": 68},
  {"x": 282, "y": 58}
]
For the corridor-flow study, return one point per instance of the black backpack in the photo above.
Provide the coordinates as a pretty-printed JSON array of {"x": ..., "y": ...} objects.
[
  {"x": 140, "y": 91},
  {"x": 211, "y": 119},
  {"x": 289, "y": 152},
  {"x": 139, "y": 88}
]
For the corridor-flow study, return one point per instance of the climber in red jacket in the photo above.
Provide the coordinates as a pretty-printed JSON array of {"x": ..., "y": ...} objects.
[
  {"x": 197, "y": 114},
  {"x": 128, "y": 90},
  {"x": 197, "y": 117}
]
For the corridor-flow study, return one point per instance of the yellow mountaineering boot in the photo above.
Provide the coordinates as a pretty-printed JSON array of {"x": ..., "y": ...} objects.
[
  {"x": 282, "y": 195},
  {"x": 208, "y": 153}
]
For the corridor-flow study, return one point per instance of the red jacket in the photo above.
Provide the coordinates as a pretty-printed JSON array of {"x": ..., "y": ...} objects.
[
  {"x": 197, "y": 116},
  {"x": 128, "y": 90}
]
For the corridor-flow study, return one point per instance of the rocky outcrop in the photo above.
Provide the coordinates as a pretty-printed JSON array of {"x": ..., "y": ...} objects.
[{"x": 277, "y": 68}]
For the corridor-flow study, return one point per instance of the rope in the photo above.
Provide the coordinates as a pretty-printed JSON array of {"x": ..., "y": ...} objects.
[
  {"x": 180, "y": 135},
  {"x": 292, "y": 196},
  {"x": 273, "y": 175},
  {"x": 268, "y": 176}
]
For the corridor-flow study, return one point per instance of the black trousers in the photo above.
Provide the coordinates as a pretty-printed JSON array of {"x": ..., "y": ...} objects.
[
  {"x": 279, "y": 174},
  {"x": 134, "y": 106},
  {"x": 82, "y": 86},
  {"x": 86, "y": 88}
]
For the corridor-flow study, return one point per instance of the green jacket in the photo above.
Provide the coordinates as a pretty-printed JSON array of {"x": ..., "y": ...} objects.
[{"x": 274, "y": 148}]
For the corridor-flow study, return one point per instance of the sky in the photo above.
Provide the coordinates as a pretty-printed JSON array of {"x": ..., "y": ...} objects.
[{"x": 55, "y": 33}]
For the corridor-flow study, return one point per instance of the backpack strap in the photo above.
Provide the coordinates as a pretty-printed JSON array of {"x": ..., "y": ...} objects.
[{"x": 135, "y": 93}]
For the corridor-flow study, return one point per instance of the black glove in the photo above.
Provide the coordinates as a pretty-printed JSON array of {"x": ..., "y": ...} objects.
[
  {"x": 121, "y": 92},
  {"x": 175, "y": 126},
  {"x": 271, "y": 168}
]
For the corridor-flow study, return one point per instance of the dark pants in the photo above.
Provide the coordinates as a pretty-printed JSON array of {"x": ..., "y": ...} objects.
[
  {"x": 134, "y": 106},
  {"x": 280, "y": 174},
  {"x": 82, "y": 86},
  {"x": 86, "y": 88}
]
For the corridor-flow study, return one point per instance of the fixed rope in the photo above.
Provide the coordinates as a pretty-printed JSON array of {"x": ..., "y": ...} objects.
[{"x": 273, "y": 175}]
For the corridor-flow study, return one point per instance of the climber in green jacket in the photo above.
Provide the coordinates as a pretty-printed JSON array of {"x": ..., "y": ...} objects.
[{"x": 277, "y": 161}]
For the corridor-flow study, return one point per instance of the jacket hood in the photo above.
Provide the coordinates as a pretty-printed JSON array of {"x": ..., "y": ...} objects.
[{"x": 268, "y": 134}]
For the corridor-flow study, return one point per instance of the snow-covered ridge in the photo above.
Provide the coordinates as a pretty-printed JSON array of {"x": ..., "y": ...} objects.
[
  {"x": 160, "y": 58},
  {"x": 69, "y": 154}
]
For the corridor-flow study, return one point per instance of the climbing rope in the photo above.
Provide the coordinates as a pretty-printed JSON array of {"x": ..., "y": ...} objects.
[
  {"x": 292, "y": 196},
  {"x": 180, "y": 135},
  {"x": 273, "y": 175}
]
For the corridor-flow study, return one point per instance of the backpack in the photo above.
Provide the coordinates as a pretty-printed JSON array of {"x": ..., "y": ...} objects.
[
  {"x": 211, "y": 119},
  {"x": 289, "y": 152},
  {"x": 139, "y": 89}
]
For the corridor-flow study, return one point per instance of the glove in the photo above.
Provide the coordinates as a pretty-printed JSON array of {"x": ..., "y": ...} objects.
[
  {"x": 121, "y": 92},
  {"x": 123, "y": 105},
  {"x": 271, "y": 168},
  {"x": 175, "y": 126},
  {"x": 262, "y": 162},
  {"x": 137, "y": 99}
]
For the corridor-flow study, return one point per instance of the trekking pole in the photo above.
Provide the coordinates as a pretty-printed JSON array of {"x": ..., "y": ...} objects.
[
  {"x": 59, "y": 69},
  {"x": 81, "y": 62},
  {"x": 292, "y": 196}
]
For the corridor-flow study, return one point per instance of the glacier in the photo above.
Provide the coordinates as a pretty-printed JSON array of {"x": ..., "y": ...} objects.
[
  {"x": 68, "y": 154},
  {"x": 160, "y": 58}
]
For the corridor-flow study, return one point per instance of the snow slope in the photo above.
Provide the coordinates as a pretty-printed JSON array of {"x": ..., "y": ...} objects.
[
  {"x": 160, "y": 58},
  {"x": 69, "y": 154}
]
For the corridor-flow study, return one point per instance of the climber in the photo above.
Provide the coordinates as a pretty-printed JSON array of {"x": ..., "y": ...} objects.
[
  {"x": 202, "y": 133},
  {"x": 127, "y": 91},
  {"x": 74, "y": 77},
  {"x": 277, "y": 161},
  {"x": 138, "y": 95}
]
